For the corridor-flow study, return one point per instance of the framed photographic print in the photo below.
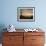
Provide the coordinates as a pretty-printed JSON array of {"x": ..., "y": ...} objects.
[{"x": 26, "y": 14}]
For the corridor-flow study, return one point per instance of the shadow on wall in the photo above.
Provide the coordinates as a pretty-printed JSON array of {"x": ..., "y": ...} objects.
[{"x": 2, "y": 26}]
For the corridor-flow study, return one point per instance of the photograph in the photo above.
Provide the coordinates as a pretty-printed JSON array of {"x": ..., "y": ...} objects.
[
  {"x": 26, "y": 14},
  {"x": 22, "y": 23}
]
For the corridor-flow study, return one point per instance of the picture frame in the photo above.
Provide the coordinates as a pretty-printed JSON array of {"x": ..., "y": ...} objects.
[{"x": 26, "y": 14}]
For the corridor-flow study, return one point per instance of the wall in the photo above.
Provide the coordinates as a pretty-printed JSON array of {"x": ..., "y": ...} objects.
[{"x": 9, "y": 13}]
